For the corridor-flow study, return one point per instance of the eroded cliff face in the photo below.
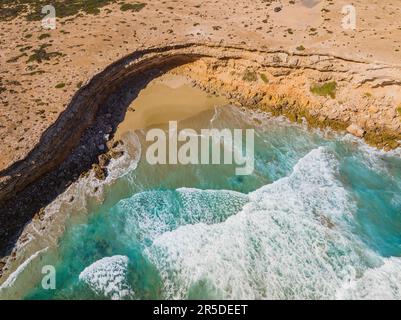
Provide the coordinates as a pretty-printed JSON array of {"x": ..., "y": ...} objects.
[
  {"x": 361, "y": 93},
  {"x": 363, "y": 97},
  {"x": 57, "y": 143},
  {"x": 327, "y": 91}
]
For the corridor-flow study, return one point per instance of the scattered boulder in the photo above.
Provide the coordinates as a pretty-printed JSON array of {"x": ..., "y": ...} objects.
[
  {"x": 116, "y": 154},
  {"x": 100, "y": 173},
  {"x": 41, "y": 214},
  {"x": 104, "y": 159},
  {"x": 356, "y": 130}
]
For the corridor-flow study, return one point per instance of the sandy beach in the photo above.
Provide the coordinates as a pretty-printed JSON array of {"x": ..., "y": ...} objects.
[{"x": 168, "y": 98}]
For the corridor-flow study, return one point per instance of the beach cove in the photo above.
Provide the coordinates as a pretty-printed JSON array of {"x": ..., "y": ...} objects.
[{"x": 194, "y": 231}]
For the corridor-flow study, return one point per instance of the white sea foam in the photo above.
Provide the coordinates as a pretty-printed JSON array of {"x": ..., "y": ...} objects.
[
  {"x": 150, "y": 214},
  {"x": 81, "y": 191},
  {"x": 217, "y": 111},
  {"x": 12, "y": 278},
  {"x": 292, "y": 241},
  {"x": 108, "y": 277},
  {"x": 372, "y": 157},
  {"x": 130, "y": 159},
  {"x": 381, "y": 283},
  {"x": 116, "y": 169}
]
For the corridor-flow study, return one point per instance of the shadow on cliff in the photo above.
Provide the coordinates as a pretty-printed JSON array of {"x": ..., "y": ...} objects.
[{"x": 22, "y": 206}]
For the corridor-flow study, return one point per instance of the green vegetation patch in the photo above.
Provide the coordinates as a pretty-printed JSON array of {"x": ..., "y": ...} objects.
[
  {"x": 44, "y": 36},
  {"x": 383, "y": 139},
  {"x": 327, "y": 89},
  {"x": 2, "y": 88},
  {"x": 16, "y": 58},
  {"x": 250, "y": 76},
  {"x": 60, "y": 85},
  {"x": 33, "y": 73},
  {"x": 32, "y": 9},
  {"x": 367, "y": 95},
  {"x": 9, "y": 11},
  {"x": 399, "y": 110},
  {"x": 132, "y": 6},
  {"x": 39, "y": 55},
  {"x": 264, "y": 78}
]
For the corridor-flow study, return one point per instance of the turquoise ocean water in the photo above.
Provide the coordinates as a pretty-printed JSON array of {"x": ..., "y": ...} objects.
[{"x": 319, "y": 218}]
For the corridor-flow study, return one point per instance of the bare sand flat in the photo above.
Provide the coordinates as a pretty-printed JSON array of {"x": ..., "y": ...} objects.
[{"x": 167, "y": 98}]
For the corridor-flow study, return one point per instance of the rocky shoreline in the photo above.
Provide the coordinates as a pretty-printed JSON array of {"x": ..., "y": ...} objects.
[
  {"x": 349, "y": 105},
  {"x": 327, "y": 91}
]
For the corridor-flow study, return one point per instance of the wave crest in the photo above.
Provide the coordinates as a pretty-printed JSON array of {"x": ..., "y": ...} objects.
[
  {"x": 108, "y": 277},
  {"x": 291, "y": 241}
]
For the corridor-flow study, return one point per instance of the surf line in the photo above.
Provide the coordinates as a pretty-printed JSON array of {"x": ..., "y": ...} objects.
[{"x": 196, "y": 148}]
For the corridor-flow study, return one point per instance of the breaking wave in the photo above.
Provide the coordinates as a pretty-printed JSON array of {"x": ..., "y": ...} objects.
[
  {"x": 293, "y": 240},
  {"x": 108, "y": 277}
]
